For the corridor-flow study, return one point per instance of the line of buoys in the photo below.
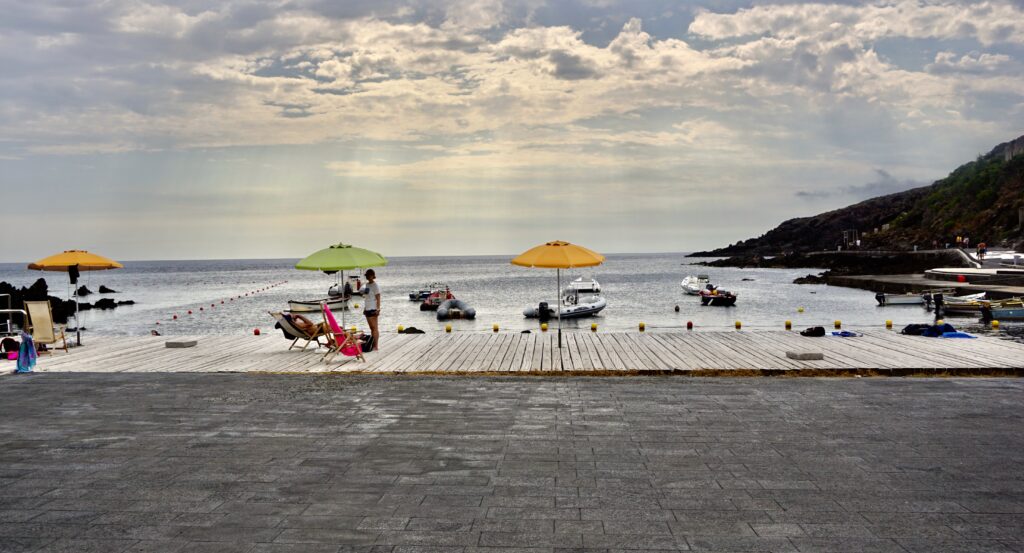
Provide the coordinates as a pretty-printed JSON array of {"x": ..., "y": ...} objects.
[
  {"x": 888, "y": 324},
  {"x": 799, "y": 309},
  {"x": 838, "y": 324},
  {"x": 401, "y": 328},
  {"x": 543, "y": 327},
  {"x": 789, "y": 325},
  {"x": 642, "y": 326},
  {"x": 495, "y": 327},
  {"x": 995, "y": 325},
  {"x": 256, "y": 332},
  {"x": 448, "y": 329},
  {"x": 689, "y": 325},
  {"x": 593, "y": 327},
  {"x": 739, "y": 325}
]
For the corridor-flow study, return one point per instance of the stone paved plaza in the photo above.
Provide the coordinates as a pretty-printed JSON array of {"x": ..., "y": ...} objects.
[{"x": 299, "y": 463}]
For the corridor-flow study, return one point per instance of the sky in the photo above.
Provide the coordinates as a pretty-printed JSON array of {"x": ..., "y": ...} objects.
[{"x": 265, "y": 129}]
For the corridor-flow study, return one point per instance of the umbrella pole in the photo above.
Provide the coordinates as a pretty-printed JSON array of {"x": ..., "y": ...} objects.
[
  {"x": 344, "y": 306},
  {"x": 78, "y": 321},
  {"x": 558, "y": 304}
]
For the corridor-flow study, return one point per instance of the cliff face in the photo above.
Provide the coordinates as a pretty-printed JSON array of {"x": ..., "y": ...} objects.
[{"x": 981, "y": 199}]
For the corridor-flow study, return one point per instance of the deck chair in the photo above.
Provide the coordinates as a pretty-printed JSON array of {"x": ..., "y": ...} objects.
[
  {"x": 340, "y": 341},
  {"x": 40, "y": 316},
  {"x": 290, "y": 330}
]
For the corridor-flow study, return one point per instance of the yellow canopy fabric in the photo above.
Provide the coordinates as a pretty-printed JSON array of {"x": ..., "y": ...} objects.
[
  {"x": 86, "y": 262},
  {"x": 558, "y": 255}
]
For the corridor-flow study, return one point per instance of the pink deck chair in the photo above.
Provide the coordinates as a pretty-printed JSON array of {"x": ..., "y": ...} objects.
[{"x": 339, "y": 340}]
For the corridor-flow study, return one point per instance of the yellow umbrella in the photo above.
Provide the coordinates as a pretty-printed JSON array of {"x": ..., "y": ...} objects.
[
  {"x": 71, "y": 262},
  {"x": 558, "y": 255}
]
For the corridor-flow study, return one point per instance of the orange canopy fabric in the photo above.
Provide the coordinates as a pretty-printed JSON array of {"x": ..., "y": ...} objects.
[
  {"x": 86, "y": 262},
  {"x": 558, "y": 255}
]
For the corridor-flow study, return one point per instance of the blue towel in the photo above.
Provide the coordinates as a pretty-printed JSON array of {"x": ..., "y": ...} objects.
[
  {"x": 846, "y": 334},
  {"x": 26, "y": 354},
  {"x": 956, "y": 335}
]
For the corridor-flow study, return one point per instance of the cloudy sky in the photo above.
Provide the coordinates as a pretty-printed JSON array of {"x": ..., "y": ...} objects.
[{"x": 162, "y": 130}]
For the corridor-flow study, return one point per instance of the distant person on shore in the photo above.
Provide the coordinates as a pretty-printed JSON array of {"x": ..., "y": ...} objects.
[
  {"x": 967, "y": 242},
  {"x": 982, "y": 249},
  {"x": 371, "y": 303}
]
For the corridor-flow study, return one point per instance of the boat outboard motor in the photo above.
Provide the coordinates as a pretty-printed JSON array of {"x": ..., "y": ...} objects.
[
  {"x": 880, "y": 298},
  {"x": 927, "y": 299},
  {"x": 542, "y": 312},
  {"x": 939, "y": 304}
]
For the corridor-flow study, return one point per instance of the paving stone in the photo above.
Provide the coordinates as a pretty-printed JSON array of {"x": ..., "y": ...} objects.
[{"x": 510, "y": 464}]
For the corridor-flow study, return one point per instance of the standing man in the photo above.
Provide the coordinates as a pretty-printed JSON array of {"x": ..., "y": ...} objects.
[{"x": 371, "y": 303}]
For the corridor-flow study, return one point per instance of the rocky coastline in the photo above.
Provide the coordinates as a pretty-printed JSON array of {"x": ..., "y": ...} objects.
[
  {"x": 62, "y": 308},
  {"x": 852, "y": 263}
]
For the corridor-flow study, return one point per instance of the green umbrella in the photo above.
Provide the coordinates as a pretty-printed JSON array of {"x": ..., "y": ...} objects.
[{"x": 341, "y": 257}]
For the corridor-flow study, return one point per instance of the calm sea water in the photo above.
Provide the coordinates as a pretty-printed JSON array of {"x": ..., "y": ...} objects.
[{"x": 640, "y": 287}]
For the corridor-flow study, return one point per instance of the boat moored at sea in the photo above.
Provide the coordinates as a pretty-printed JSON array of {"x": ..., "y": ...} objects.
[
  {"x": 310, "y": 306},
  {"x": 424, "y": 293},
  {"x": 692, "y": 285},
  {"x": 1004, "y": 310},
  {"x": 581, "y": 298},
  {"x": 712, "y": 295},
  {"x": 455, "y": 309},
  {"x": 884, "y": 299}
]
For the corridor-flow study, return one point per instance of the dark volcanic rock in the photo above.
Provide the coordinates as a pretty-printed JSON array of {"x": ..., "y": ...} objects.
[
  {"x": 980, "y": 199},
  {"x": 105, "y": 290},
  {"x": 848, "y": 263},
  {"x": 83, "y": 291},
  {"x": 811, "y": 279},
  {"x": 105, "y": 303}
]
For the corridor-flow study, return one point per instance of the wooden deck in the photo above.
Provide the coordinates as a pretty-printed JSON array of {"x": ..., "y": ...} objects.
[{"x": 583, "y": 352}]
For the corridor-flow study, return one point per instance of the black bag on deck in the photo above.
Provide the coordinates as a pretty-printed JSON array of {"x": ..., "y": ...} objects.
[
  {"x": 9, "y": 344},
  {"x": 915, "y": 329},
  {"x": 367, "y": 343},
  {"x": 814, "y": 331}
]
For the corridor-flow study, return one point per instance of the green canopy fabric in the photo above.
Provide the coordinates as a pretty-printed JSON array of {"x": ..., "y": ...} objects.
[{"x": 341, "y": 257}]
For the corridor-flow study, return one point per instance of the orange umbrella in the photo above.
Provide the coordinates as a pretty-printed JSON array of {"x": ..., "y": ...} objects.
[
  {"x": 558, "y": 255},
  {"x": 71, "y": 262}
]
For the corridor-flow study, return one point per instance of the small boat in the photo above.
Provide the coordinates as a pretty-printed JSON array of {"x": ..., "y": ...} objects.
[
  {"x": 423, "y": 293},
  {"x": 581, "y": 298},
  {"x": 692, "y": 285},
  {"x": 309, "y": 306},
  {"x": 350, "y": 288},
  {"x": 900, "y": 299},
  {"x": 455, "y": 309},
  {"x": 1004, "y": 310},
  {"x": 711, "y": 295},
  {"x": 970, "y": 304},
  {"x": 436, "y": 298},
  {"x": 546, "y": 313}
]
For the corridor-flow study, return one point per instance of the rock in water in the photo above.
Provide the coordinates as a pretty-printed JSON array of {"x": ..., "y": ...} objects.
[
  {"x": 105, "y": 303},
  {"x": 83, "y": 291},
  {"x": 105, "y": 290}
]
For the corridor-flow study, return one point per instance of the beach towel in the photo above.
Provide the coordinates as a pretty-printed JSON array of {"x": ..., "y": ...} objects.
[
  {"x": 26, "y": 354},
  {"x": 956, "y": 335},
  {"x": 847, "y": 334}
]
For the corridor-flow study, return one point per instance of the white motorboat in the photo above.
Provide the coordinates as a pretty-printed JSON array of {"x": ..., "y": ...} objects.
[
  {"x": 899, "y": 299},
  {"x": 424, "y": 293},
  {"x": 310, "y": 306},
  {"x": 581, "y": 298},
  {"x": 694, "y": 284}
]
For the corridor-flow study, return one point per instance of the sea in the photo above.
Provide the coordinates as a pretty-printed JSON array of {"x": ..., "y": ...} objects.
[{"x": 235, "y": 296}]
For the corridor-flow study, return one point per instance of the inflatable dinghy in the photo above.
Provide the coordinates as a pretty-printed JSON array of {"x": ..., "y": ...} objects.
[{"x": 455, "y": 309}]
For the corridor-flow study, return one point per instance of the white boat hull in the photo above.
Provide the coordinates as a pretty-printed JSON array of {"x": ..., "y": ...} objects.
[
  {"x": 571, "y": 311},
  {"x": 311, "y": 306},
  {"x": 899, "y": 299}
]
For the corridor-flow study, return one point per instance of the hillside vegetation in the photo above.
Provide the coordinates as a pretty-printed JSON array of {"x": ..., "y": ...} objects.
[{"x": 979, "y": 199}]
